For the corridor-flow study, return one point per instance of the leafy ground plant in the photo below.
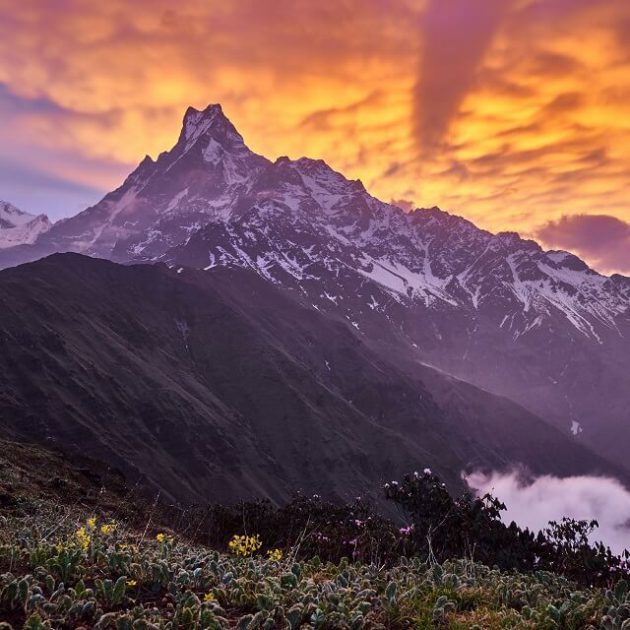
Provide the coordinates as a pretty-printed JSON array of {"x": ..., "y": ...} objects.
[{"x": 97, "y": 573}]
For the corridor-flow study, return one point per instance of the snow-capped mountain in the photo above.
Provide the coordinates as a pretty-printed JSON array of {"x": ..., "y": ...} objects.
[
  {"x": 18, "y": 227},
  {"x": 495, "y": 310},
  {"x": 163, "y": 202},
  {"x": 537, "y": 326}
]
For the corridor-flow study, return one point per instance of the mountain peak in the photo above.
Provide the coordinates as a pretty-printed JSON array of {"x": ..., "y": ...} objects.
[
  {"x": 194, "y": 116},
  {"x": 11, "y": 216},
  {"x": 212, "y": 127},
  {"x": 9, "y": 209}
]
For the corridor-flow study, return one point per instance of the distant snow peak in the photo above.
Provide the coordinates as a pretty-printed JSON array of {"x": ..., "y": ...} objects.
[
  {"x": 10, "y": 216},
  {"x": 302, "y": 224},
  {"x": 298, "y": 221},
  {"x": 18, "y": 227}
]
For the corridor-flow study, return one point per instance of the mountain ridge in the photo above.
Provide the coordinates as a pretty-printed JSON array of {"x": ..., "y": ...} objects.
[
  {"x": 539, "y": 327},
  {"x": 217, "y": 386}
]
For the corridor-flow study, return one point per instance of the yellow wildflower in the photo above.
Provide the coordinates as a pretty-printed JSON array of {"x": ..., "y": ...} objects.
[
  {"x": 160, "y": 537},
  {"x": 274, "y": 554},
  {"x": 91, "y": 522},
  {"x": 209, "y": 597},
  {"x": 132, "y": 582},
  {"x": 83, "y": 538},
  {"x": 108, "y": 529},
  {"x": 244, "y": 545}
]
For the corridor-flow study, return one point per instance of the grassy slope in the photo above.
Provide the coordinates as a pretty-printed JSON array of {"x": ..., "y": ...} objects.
[
  {"x": 29, "y": 472},
  {"x": 125, "y": 580},
  {"x": 50, "y": 577}
]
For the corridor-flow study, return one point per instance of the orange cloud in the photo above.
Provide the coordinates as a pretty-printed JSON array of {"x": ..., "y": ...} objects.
[{"x": 510, "y": 112}]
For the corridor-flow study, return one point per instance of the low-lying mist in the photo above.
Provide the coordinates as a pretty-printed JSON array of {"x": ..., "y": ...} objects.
[{"x": 534, "y": 502}]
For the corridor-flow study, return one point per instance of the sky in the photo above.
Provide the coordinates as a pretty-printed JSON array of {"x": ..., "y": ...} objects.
[{"x": 512, "y": 113}]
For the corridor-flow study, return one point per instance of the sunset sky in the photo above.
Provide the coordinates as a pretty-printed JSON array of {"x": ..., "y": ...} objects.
[{"x": 512, "y": 113}]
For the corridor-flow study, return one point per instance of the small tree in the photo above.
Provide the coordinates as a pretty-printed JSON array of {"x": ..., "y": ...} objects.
[{"x": 446, "y": 527}]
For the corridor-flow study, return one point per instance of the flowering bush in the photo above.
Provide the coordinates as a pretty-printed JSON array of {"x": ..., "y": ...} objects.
[
  {"x": 445, "y": 526},
  {"x": 432, "y": 524}
]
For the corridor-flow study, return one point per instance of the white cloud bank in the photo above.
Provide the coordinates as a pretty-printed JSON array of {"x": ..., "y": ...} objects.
[{"x": 534, "y": 503}]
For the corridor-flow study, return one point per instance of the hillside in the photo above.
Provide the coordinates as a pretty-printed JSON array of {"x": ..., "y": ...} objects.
[
  {"x": 217, "y": 386},
  {"x": 32, "y": 475},
  {"x": 88, "y": 565}
]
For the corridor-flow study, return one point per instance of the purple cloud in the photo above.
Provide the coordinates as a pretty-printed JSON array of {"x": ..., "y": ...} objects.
[{"x": 603, "y": 239}]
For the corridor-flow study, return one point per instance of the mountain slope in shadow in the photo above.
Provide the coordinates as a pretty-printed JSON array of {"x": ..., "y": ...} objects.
[{"x": 218, "y": 386}]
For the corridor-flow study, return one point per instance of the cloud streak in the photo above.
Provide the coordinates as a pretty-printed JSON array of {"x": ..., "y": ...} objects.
[{"x": 456, "y": 35}]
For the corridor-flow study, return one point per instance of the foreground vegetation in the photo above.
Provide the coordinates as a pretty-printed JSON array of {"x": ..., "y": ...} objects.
[
  {"x": 90, "y": 558},
  {"x": 97, "y": 574},
  {"x": 430, "y": 523}
]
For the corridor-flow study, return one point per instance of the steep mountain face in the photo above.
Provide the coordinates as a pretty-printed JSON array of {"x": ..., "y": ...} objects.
[
  {"x": 20, "y": 228},
  {"x": 217, "y": 385},
  {"x": 495, "y": 310},
  {"x": 492, "y": 309},
  {"x": 164, "y": 201}
]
